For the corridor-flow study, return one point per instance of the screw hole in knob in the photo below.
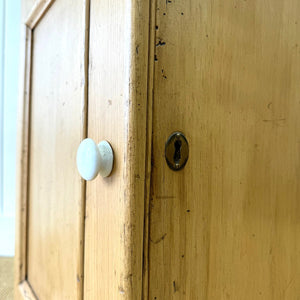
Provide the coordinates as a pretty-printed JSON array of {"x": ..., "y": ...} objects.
[{"x": 93, "y": 159}]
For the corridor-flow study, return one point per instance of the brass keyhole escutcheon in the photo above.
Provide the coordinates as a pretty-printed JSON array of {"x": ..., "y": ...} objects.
[{"x": 176, "y": 151}]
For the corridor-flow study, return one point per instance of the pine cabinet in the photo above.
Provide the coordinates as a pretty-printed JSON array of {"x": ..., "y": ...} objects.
[{"x": 225, "y": 75}]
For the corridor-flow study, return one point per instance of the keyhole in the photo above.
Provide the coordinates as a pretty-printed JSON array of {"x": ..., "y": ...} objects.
[{"x": 177, "y": 153}]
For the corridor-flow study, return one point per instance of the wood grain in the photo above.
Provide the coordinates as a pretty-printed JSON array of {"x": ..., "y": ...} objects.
[
  {"x": 117, "y": 112},
  {"x": 227, "y": 75},
  {"x": 58, "y": 104}
]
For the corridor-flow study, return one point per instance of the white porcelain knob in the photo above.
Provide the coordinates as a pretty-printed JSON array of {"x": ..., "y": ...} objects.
[{"x": 93, "y": 159}]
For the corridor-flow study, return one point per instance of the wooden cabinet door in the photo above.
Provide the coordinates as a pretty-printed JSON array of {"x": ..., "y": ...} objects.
[
  {"x": 49, "y": 249},
  {"x": 85, "y": 74},
  {"x": 226, "y": 74}
]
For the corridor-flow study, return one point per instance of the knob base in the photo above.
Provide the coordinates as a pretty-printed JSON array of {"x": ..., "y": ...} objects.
[{"x": 107, "y": 158}]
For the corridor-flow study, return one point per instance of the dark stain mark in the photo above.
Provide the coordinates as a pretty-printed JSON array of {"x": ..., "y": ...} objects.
[
  {"x": 174, "y": 286},
  {"x": 182, "y": 255},
  {"x": 137, "y": 49},
  {"x": 160, "y": 43},
  {"x": 152, "y": 161},
  {"x": 109, "y": 102},
  {"x": 164, "y": 14},
  {"x": 269, "y": 105},
  {"x": 188, "y": 210},
  {"x": 156, "y": 27},
  {"x": 182, "y": 13},
  {"x": 155, "y": 58},
  {"x": 158, "y": 240}
]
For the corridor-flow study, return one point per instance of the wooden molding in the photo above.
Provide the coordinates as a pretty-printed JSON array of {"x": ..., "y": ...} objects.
[
  {"x": 150, "y": 86},
  {"x": 37, "y": 11},
  {"x": 25, "y": 291},
  {"x": 22, "y": 158}
]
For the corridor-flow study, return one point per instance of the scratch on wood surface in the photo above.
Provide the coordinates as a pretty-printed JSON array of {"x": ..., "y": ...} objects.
[
  {"x": 165, "y": 197},
  {"x": 158, "y": 240},
  {"x": 277, "y": 122}
]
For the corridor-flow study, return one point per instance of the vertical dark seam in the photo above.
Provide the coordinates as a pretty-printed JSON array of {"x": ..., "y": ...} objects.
[{"x": 85, "y": 125}]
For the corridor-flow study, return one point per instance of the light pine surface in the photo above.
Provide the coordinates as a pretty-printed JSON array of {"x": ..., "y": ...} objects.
[
  {"x": 227, "y": 75},
  {"x": 51, "y": 256},
  {"x": 118, "y": 57},
  {"x": 224, "y": 73},
  {"x": 50, "y": 236}
]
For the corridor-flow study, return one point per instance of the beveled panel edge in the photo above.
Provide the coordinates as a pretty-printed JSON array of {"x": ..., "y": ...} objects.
[
  {"x": 25, "y": 291},
  {"x": 37, "y": 11},
  {"x": 22, "y": 157}
]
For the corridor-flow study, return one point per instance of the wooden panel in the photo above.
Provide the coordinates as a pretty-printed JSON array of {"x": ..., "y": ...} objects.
[
  {"x": 117, "y": 112},
  {"x": 56, "y": 204},
  {"x": 227, "y": 74}
]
